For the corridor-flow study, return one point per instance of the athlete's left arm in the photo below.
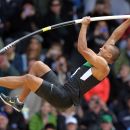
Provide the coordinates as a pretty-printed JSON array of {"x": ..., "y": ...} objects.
[
  {"x": 86, "y": 52},
  {"x": 118, "y": 32}
]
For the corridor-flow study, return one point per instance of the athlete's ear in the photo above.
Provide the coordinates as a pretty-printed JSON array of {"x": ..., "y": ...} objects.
[{"x": 109, "y": 55}]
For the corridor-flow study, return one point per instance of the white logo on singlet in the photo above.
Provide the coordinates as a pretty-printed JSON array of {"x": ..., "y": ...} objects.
[
  {"x": 52, "y": 85},
  {"x": 85, "y": 76},
  {"x": 75, "y": 72}
]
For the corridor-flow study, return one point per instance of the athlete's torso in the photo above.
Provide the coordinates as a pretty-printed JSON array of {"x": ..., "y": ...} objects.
[{"x": 81, "y": 81}]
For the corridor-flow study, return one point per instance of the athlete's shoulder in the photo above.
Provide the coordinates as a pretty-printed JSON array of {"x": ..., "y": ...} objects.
[
  {"x": 102, "y": 71},
  {"x": 103, "y": 63}
]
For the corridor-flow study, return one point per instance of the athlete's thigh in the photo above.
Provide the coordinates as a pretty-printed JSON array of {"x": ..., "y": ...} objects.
[
  {"x": 55, "y": 95},
  {"x": 51, "y": 77}
]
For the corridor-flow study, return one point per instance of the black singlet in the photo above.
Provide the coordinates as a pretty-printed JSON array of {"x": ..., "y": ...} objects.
[{"x": 80, "y": 82}]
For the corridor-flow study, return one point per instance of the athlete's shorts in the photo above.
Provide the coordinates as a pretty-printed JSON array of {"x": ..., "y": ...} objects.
[{"x": 52, "y": 91}]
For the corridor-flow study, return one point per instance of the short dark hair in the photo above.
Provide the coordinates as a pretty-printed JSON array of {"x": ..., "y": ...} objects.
[{"x": 115, "y": 52}]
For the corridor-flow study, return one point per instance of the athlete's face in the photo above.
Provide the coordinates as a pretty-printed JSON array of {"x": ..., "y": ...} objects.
[{"x": 105, "y": 52}]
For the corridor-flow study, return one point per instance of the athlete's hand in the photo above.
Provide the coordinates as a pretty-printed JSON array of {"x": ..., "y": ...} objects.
[{"x": 86, "y": 20}]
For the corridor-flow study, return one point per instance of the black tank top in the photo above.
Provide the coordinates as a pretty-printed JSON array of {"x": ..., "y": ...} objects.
[{"x": 80, "y": 82}]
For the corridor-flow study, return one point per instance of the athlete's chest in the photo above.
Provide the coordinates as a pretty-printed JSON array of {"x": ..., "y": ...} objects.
[
  {"x": 83, "y": 73},
  {"x": 83, "y": 76}
]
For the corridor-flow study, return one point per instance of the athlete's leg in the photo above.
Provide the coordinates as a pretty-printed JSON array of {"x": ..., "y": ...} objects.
[
  {"x": 51, "y": 89},
  {"x": 13, "y": 82},
  {"x": 38, "y": 69},
  {"x": 27, "y": 81}
]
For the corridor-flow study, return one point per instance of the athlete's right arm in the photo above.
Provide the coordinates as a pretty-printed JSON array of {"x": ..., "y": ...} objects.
[{"x": 86, "y": 52}]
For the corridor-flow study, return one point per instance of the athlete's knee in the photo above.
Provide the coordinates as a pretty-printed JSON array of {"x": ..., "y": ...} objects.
[
  {"x": 32, "y": 82},
  {"x": 36, "y": 64},
  {"x": 39, "y": 67},
  {"x": 36, "y": 68},
  {"x": 39, "y": 64},
  {"x": 28, "y": 78}
]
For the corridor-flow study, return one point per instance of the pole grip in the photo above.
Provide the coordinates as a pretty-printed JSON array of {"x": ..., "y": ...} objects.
[{"x": 104, "y": 18}]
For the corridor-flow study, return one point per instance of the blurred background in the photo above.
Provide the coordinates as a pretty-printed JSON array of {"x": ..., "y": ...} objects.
[{"x": 105, "y": 107}]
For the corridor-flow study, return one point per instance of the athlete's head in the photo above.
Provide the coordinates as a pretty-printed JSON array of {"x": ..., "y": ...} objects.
[{"x": 110, "y": 53}]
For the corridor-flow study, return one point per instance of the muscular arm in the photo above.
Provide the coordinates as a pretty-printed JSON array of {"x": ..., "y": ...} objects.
[
  {"x": 119, "y": 31},
  {"x": 86, "y": 52}
]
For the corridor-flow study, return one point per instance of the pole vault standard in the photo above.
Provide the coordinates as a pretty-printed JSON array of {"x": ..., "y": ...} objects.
[{"x": 61, "y": 25}]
